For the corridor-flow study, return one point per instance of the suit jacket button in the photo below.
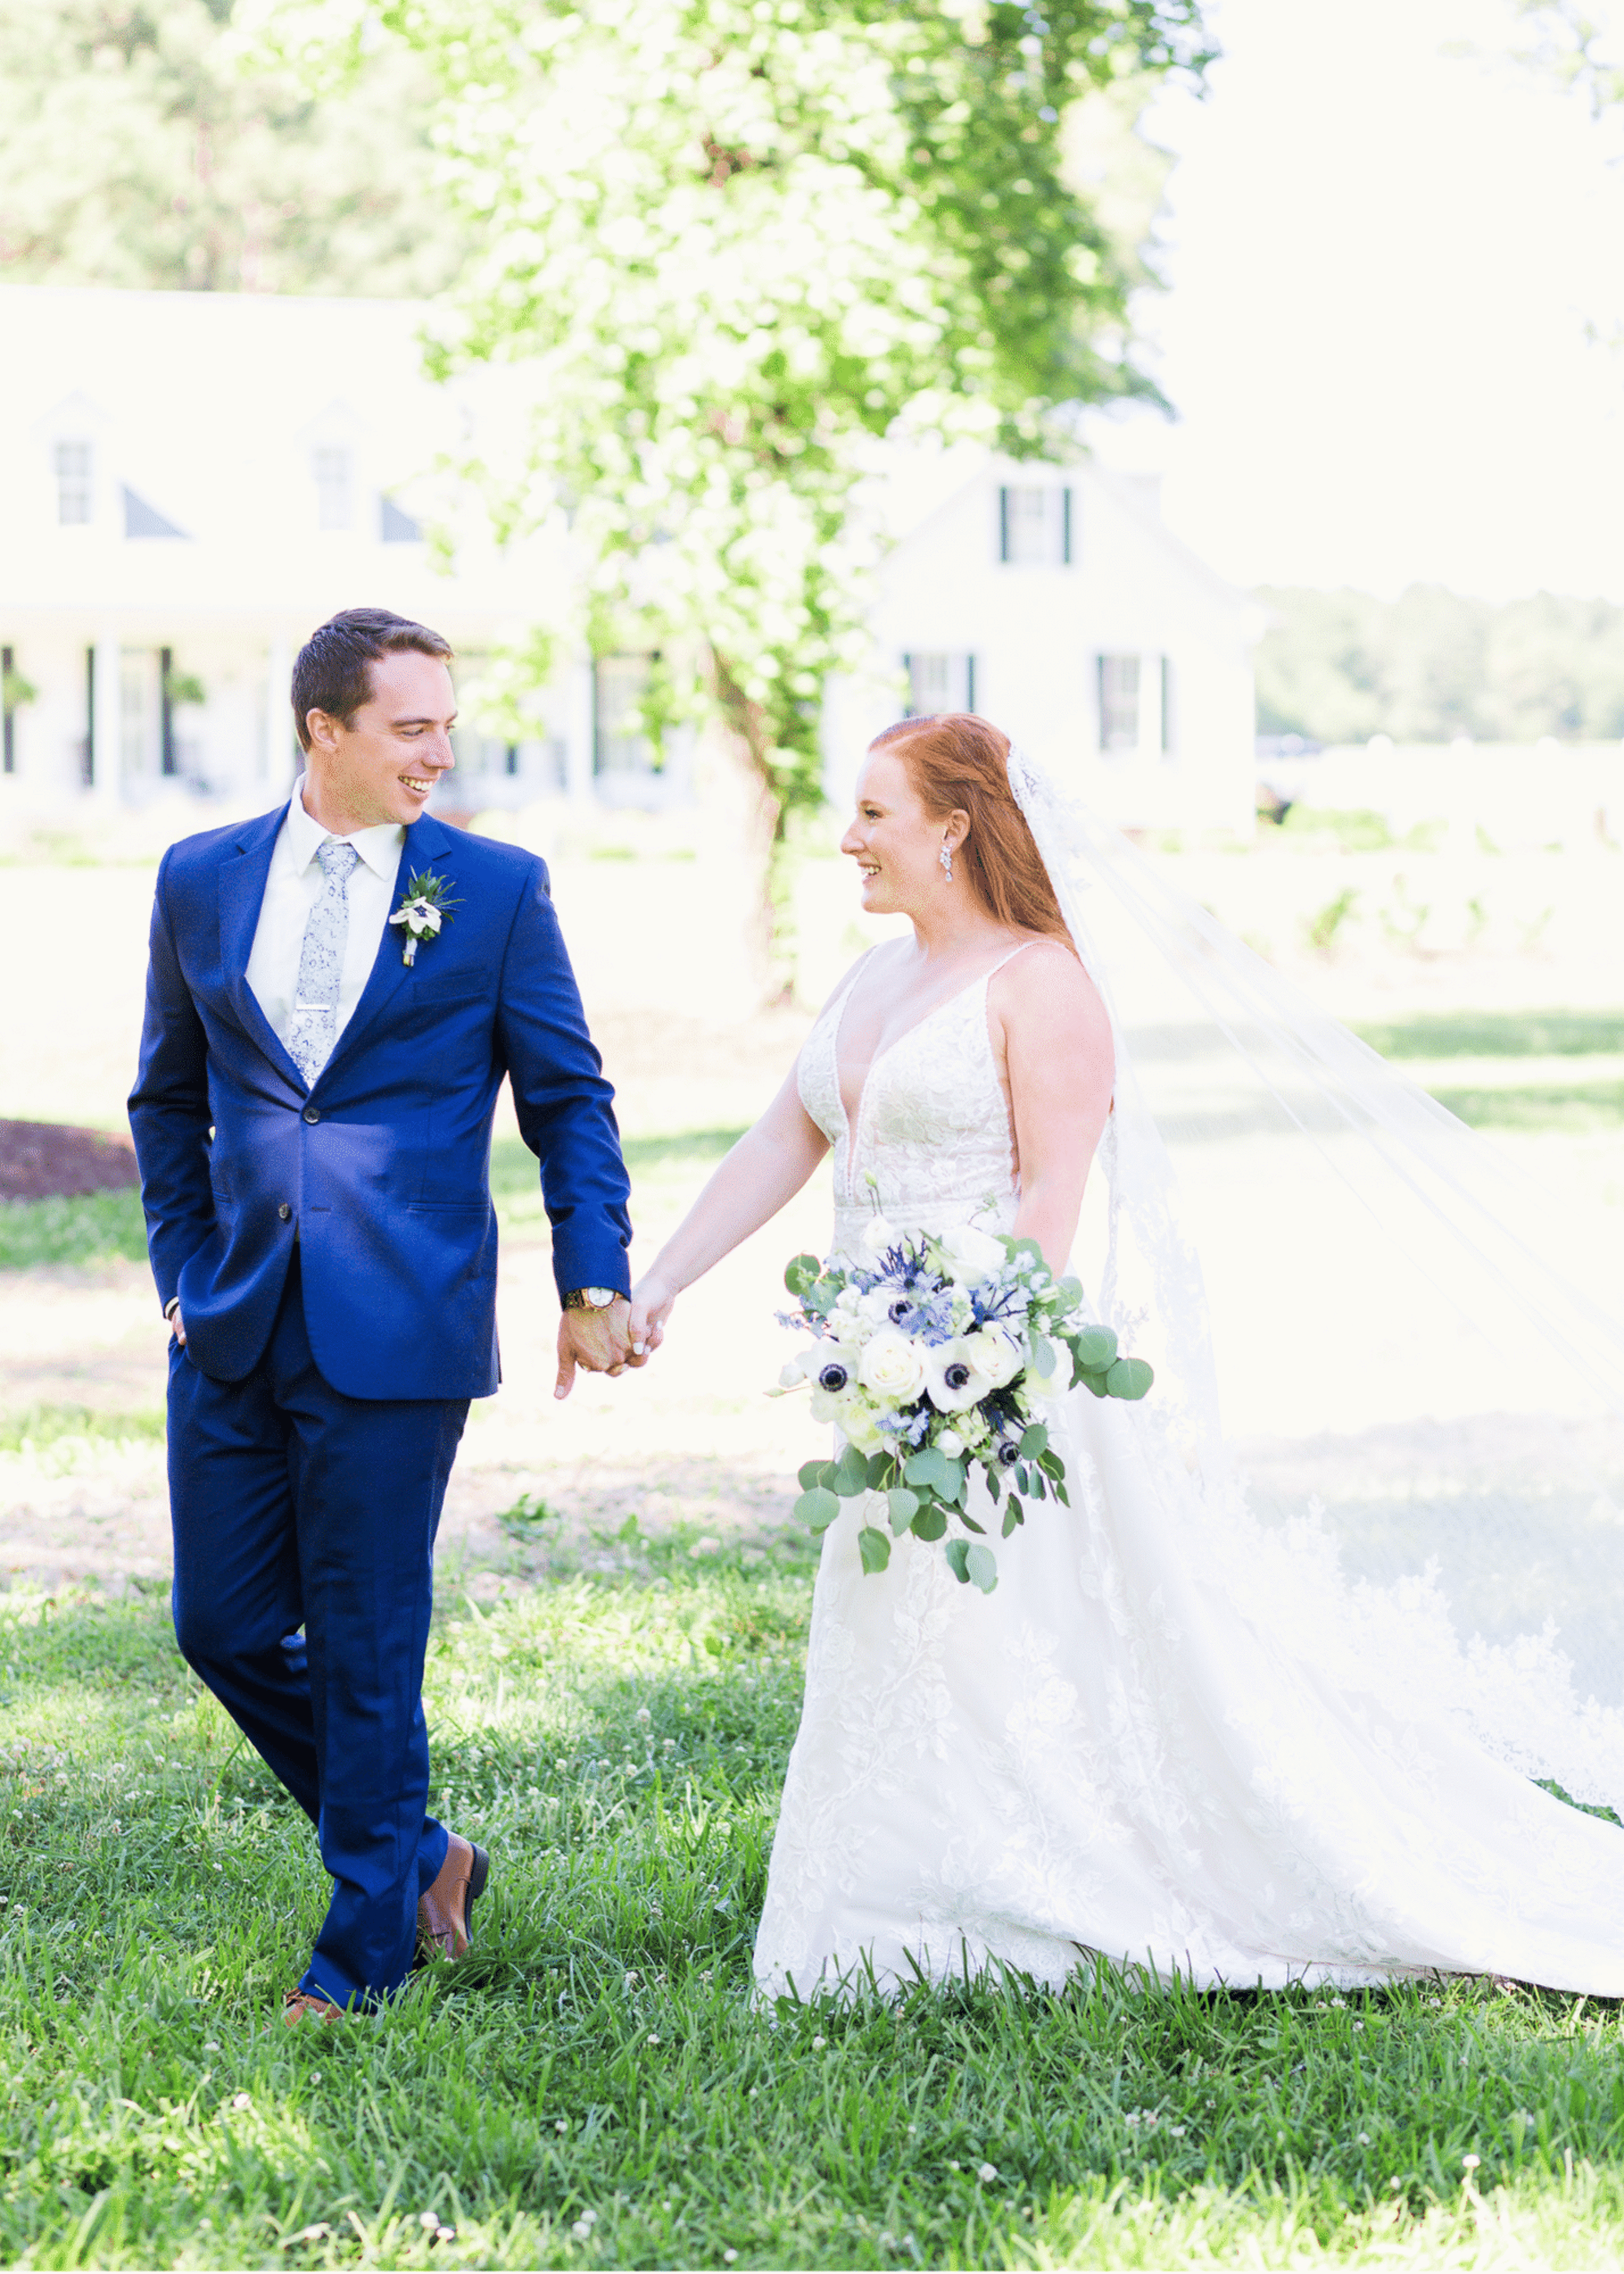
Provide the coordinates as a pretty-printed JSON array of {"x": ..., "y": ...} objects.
[
  {"x": 283, "y": 1211},
  {"x": 310, "y": 1115}
]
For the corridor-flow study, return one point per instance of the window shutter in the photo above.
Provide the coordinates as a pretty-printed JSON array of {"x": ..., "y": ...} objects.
[
  {"x": 908, "y": 667},
  {"x": 1065, "y": 528},
  {"x": 969, "y": 682},
  {"x": 1004, "y": 524}
]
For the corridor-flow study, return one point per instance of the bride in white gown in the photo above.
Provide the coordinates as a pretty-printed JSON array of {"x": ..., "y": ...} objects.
[{"x": 1170, "y": 1737}]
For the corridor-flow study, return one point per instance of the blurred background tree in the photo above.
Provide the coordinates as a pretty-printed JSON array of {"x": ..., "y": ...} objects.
[
  {"x": 139, "y": 152},
  {"x": 1431, "y": 666},
  {"x": 725, "y": 248}
]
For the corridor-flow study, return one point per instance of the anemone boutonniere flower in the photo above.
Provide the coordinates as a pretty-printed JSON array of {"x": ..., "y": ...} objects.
[{"x": 423, "y": 909}]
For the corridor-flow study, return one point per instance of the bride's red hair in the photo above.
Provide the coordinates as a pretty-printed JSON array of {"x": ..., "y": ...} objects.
[{"x": 959, "y": 762}]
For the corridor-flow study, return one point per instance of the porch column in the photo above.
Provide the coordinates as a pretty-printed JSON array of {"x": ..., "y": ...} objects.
[
  {"x": 580, "y": 734},
  {"x": 106, "y": 717}
]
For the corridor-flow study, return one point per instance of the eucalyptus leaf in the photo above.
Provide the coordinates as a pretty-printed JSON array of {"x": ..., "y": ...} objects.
[
  {"x": 850, "y": 1476},
  {"x": 1095, "y": 1349},
  {"x": 933, "y": 1470},
  {"x": 1012, "y": 1516},
  {"x": 904, "y": 1507},
  {"x": 965, "y": 1518},
  {"x": 1096, "y": 1383},
  {"x": 995, "y": 1484},
  {"x": 1044, "y": 1360},
  {"x": 820, "y": 1300},
  {"x": 1034, "y": 1440},
  {"x": 1130, "y": 1377},
  {"x": 930, "y": 1522},
  {"x": 813, "y": 1472},
  {"x": 817, "y": 1508},
  {"x": 801, "y": 1273},
  {"x": 981, "y": 1569},
  {"x": 957, "y": 1552},
  {"x": 874, "y": 1548},
  {"x": 881, "y": 1471}
]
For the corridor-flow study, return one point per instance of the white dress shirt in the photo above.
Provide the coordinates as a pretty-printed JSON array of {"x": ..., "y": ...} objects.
[{"x": 290, "y": 889}]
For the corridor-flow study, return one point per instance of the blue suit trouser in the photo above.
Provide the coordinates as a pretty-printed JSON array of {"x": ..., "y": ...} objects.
[{"x": 295, "y": 1506}]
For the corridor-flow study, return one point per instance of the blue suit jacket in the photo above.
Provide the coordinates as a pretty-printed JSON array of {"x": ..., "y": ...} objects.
[{"x": 383, "y": 1169}]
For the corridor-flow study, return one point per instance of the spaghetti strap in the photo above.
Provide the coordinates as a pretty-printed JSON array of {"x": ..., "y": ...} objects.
[{"x": 1020, "y": 948}]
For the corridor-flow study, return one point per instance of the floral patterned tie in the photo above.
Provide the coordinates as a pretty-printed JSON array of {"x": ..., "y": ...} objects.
[{"x": 320, "y": 963}]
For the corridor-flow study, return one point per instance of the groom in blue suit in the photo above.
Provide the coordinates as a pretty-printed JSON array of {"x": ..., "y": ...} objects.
[{"x": 313, "y": 1121}]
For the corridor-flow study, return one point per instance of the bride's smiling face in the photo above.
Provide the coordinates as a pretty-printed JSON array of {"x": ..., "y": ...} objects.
[{"x": 896, "y": 842}]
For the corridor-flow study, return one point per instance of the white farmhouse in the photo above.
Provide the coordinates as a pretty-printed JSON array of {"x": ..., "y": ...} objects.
[{"x": 191, "y": 482}]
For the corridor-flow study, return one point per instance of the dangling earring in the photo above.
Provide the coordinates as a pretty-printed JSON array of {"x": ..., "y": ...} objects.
[{"x": 946, "y": 864}]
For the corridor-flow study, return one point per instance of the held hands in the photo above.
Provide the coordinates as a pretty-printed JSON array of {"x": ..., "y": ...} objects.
[
  {"x": 652, "y": 1301},
  {"x": 598, "y": 1341}
]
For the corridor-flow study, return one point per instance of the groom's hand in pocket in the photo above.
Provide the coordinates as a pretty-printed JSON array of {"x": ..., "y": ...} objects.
[{"x": 596, "y": 1342}]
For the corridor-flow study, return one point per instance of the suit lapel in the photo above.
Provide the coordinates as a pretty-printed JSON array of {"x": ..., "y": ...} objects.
[
  {"x": 425, "y": 842},
  {"x": 242, "y": 876}
]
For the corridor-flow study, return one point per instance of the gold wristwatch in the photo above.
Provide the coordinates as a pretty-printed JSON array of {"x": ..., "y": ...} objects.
[{"x": 591, "y": 1298}]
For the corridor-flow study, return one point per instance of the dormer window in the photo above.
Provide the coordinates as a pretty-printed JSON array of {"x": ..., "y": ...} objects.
[
  {"x": 1034, "y": 525},
  {"x": 73, "y": 499},
  {"x": 330, "y": 466}
]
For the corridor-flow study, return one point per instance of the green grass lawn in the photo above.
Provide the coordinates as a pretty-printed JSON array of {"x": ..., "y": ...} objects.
[{"x": 593, "y": 2086}]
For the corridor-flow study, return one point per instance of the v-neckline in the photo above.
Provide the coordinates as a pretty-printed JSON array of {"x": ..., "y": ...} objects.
[{"x": 853, "y": 1122}]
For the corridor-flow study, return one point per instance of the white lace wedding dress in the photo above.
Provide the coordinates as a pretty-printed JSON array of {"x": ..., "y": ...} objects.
[{"x": 1113, "y": 1753}]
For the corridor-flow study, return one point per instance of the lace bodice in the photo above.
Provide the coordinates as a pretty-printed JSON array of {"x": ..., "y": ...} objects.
[{"x": 931, "y": 1126}]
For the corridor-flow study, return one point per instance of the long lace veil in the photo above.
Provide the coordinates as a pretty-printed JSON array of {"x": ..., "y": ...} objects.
[{"x": 1397, "y": 1420}]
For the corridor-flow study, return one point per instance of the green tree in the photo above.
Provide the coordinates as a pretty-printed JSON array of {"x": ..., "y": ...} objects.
[
  {"x": 139, "y": 151},
  {"x": 728, "y": 246},
  {"x": 1430, "y": 666}
]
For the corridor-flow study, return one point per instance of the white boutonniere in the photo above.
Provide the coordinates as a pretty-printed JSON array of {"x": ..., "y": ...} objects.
[{"x": 423, "y": 909}]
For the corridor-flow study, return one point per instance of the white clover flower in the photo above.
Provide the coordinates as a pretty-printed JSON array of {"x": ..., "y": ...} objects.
[
  {"x": 892, "y": 1367},
  {"x": 986, "y": 2173}
]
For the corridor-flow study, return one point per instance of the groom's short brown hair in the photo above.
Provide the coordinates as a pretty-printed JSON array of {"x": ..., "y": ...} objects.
[{"x": 330, "y": 671}]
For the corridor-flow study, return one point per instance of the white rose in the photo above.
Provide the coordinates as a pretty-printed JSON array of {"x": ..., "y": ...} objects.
[
  {"x": 951, "y": 1443},
  {"x": 953, "y": 1379},
  {"x": 891, "y": 1368},
  {"x": 972, "y": 1253},
  {"x": 875, "y": 1309},
  {"x": 995, "y": 1353},
  {"x": 878, "y": 1235}
]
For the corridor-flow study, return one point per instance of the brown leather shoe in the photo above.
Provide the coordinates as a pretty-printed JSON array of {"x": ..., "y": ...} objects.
[
  {"x": 445, "y": 1911},
  {"x": 305, "y": 2006}
]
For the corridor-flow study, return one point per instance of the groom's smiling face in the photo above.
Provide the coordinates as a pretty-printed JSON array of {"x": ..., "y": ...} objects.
[{"x": 381, "y": 765}]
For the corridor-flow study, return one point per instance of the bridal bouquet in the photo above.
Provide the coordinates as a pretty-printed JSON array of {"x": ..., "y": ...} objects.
[{"x": 931, "y": 1360}]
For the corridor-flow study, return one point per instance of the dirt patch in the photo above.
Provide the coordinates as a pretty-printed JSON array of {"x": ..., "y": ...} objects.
[{"x": 49, "y": 1160}]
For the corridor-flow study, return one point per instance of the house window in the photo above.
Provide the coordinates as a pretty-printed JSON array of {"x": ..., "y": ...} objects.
[
  {"x": 72, "y": 483},
  {"x": 1035, "y": 526},
  {"x": 395, "y": 526},
  {"x": 330, "y": 466},
  {"x": 1119, "y": 702},
  {"x": 620, "y": 746},
  {"x": 939, "y": 680}
]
